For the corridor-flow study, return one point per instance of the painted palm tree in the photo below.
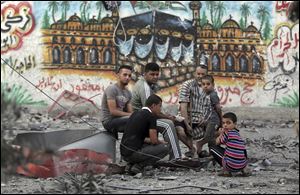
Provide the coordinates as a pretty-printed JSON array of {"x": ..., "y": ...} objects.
[
  {"x": 142, "y": 5},
  {"x": 172, "y": 5},
  {"x": 245, "y": 12},
  {"x": 263, "y": 13},
  {"x": 220, "y": 10},
  {"x": 84, "y": 7},
  {"x": 211, "y": 6},
  {"x": 160, "y": 5},
  {"x": 53, "y": 7},
  {"x": 65, "y": 5},
  {"x": 99, "y": 6}
]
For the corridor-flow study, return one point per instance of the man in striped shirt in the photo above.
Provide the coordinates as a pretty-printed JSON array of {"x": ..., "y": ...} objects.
[
  {"x": 195, "y": 108},
  {"x": 233, "y": 158},
  {"x": 142, "y": 89}
]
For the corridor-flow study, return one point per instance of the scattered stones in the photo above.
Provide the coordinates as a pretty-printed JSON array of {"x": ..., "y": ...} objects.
[
  {"x": 282, "y": 181},
  {"x": 138, "y": 176},
  {"x": 167, "y": 178},
  {"x": 213, "y": 184}
]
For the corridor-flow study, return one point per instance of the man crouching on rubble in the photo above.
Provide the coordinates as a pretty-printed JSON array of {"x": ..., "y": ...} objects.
[{"x": 140, "y": 145}]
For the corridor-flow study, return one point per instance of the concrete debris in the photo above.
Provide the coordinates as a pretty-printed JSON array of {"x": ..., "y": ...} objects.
[{"x": 168, "y": 178}]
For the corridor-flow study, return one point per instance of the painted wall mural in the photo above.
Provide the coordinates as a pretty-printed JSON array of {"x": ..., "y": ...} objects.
[
  {"x": 59, "y": 47},
  {"x": 16, "y": 21}
]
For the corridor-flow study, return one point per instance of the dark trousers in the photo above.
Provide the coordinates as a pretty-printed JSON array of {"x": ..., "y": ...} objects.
[
  {"x": 209, "y": 135},
  {"x": 148, "y": 154},
  {"x": 218, "y": 153}
]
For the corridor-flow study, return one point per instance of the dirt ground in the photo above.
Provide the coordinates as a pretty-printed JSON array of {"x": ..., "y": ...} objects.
[{"x": 272, "y": 145}]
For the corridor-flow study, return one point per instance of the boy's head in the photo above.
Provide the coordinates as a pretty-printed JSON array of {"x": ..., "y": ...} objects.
[
  {"x": 208, "y": 83},
  {"x": 154, "y": 102},
  {"x": 151, "y": 73},
  {"x": 229, "y": 120}
]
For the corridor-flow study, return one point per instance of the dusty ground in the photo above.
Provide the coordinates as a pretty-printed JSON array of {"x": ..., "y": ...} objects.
[{"x": 267, "y": 137}]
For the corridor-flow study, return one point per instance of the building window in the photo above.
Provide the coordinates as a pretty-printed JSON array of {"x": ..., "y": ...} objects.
[
  {"x": 229, "y": 63},
  {"x": 83, "y": 41},
  {"x": 220, "y": 47},
  {"x": 203, "y": 59},
  {"x": 94, "y": 42},
  {"x": 107, "y": 57},
  {"x": 243, "y": 64},
  {"x": 62, "y": 40},
  {"x": 102, "y": 42},
  {"x": 56, "y": 55},
  {"x": 54, "y": 39},
  {"x": 210, "y": 47},
  {"x": 80, "y": 56},
  {"x": 67, "y": 55},
  {"x": 256, "y": 65},
  {"x": 227, "y": 47},
  {"x": 72, "y": 40},
  {"x": 201, "y": 47},
  {"x": 215, "y": 63},
  {"x": 94, "y": 57},
  {"x": 244, "y": 48},
  {"x": 236, "y": 48}
]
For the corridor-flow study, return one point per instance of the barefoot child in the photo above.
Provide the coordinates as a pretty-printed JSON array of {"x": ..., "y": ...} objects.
[{"x": 215, "y": 119}]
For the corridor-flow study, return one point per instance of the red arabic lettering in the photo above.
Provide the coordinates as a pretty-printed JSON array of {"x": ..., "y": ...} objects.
[
  {"x": 226, "y": 92},
  {"x": 86, "y": 86},
  {"x": 49, "y": 83},
  {"x": 245, "y": 97},
  {"x": 282, "y": 6}
]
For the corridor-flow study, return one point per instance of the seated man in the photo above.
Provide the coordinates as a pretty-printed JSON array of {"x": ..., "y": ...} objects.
[
  {"x": 140, "y": 145},
  {"x": 116, "y": 107},
  {"x": 195, "y": 108},
  {"x": 142, "y": 89}
]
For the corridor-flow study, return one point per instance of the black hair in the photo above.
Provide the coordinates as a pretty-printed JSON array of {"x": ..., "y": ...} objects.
[
  {"x": 124, "y": 67},
  {"x": 231, "y": 116},
  {"x": 152, "y": 66},
  {"x": 153, "y": 99},
  {"x": 202, "y": 66},
  {"x": 209, "y": 77}
]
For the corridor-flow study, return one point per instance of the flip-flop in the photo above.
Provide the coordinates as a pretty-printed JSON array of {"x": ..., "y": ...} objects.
[
  {"x": 225, "y": 174},
  {"x": 203, "y": 154},
  {"x": 189, "y": 154},
  {"x": 246, "y": 173}
]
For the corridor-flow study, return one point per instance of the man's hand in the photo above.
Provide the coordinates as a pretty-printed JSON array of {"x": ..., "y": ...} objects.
[
  {"x": 172, "y": 118},
  {"x": 162, "y": 142}
]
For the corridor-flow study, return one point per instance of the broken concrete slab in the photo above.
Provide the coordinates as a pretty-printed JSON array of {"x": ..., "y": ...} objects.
[
  {"x": 50, "y": 140},
  {"x": 101, "y": 142},
  {"x": 78, "y": 161}
]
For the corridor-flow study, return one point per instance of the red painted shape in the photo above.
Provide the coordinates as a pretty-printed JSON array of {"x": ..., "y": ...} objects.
[{"x": 77, "y": 161}]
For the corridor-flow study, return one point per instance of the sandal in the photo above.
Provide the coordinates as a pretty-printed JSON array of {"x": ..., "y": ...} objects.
[
  {"x": 225, "y": 174},
  {"x": 203, "y": 154},
  {"x": 246, "y": 172},
  {"x": 189, "y": 154}
]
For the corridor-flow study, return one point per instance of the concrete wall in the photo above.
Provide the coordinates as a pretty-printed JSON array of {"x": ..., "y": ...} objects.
[{"x": 38, "y": 53}]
